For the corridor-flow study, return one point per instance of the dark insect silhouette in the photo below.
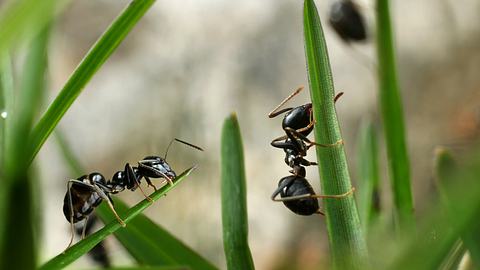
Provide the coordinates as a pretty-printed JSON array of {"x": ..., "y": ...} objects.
[
  {"x": 295, "y": 191},
  {"x": 88, "y": 191},
  {"x": 347, "y": 21}
]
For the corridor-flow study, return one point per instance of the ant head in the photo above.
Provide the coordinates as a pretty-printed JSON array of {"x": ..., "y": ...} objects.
[
  {"x": 299, "y": 118},
  {"x": 155, "y": 166}
]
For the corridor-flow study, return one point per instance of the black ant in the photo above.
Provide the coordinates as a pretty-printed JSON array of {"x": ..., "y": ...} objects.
[
  {"x": 347, "y": 21},
  {"x": 295, "y": 191},
  {"x": 88, "y": 191},
  {"x": 297, "y": 124}
]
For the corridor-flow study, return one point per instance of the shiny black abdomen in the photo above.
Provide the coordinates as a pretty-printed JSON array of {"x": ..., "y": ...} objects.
[{"x": 299, "y": 186}]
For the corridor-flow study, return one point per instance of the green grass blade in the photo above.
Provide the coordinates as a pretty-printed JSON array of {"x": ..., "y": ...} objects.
[
  {"x": 347, "y": 243},
  {"x": 20, "y": 231},
  {"x": 368, "y": 168},
  {"x": 177, "y": 267},
  {"x": 151, "y": 244},
  {"x": 23, "y": 19},
  {"x": 94, "y": 59},
  {"x": 82, "y": 247},
  {"x": 445, "y": 165},
  {"x": 391, "y": 108},
  {"x": 234, "y": 198},
  {"x": 438, "y": 232}
]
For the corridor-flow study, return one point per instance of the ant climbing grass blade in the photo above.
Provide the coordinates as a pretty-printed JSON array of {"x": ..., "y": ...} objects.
[
  {"x": 95, "y": 58},
  {"x": 234, "y": 198},
  {"x": 150, "y": 244},
  {"x": 82, "y": 247},
  {"x": 347, "y": 243}
]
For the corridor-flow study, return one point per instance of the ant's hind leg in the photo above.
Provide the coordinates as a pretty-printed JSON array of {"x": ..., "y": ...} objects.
[
  {"x": 85, "y": 227},
  {"x": 339, "y": 196}
]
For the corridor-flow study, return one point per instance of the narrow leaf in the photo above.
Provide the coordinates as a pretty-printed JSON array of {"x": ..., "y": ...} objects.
[
  {"x": 392, "y": 114},
  {"x": 82, "y": 247},
  {"x": 347, "y": 244},
  {"x": 151, "y": 244},
  {"x": 368, "y": 190},
  {"x": 234, "y": 198},
  {"x": 95, "y": 58},
  {"x": 20, "y": 231}
]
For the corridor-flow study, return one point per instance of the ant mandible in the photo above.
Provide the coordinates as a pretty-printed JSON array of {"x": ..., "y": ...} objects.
[{"x": 88, "y": 191}]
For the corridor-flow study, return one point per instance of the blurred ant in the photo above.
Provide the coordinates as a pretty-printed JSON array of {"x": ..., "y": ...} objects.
[
  {"x": 295, "y": 191},
  {"x": 347, "y": 21},
  {"x": 88, "y": 191}
]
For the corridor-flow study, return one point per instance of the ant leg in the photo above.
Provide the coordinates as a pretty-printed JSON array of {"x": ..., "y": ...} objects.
[
  {"x": 160, "y": 173},
  {"x": 298, "y": 197},
  {"x": 276, "y": 112},
  {"x": 150, "y": 184},
  {"x": 131, "y": 174},
  {"x": 84, "y": 227},
  {"x": 337, "y": 96},
  {"x": 70, "y": 204},
  {"x": 339, "y": 196},
  {"x": 292, "y": 131},
  {"x": 283, "y": 185},
  {"x": 106, "y": 198}
]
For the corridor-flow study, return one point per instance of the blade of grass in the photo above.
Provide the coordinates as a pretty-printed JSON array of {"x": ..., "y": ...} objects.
[
  {"x": 444, "y": 165},
  {"x": 18, "y": 246},
  {"x": 150, "y": 244},
  {"x": 393, "y": 123},
  {"x": 347, "y": 244},
  {"x": 23, "y": 19},
  {"x": 98, "y": 54},
  {"x": 177, "y": 267},
  {"x": 368, "y": 192},
  {"x": 438, "y": 232},
  {"x": 234, "y": 198},
  {"x": 82, "y": 247}
]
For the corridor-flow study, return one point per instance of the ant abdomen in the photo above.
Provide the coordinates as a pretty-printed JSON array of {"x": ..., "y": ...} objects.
[
  {"x": 298, "y": 186},
  {"x": 83, "y": 200}
]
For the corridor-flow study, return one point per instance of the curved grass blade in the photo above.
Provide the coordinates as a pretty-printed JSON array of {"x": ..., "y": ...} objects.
[
  {"x": 392, "y": 114},
  {"x": 181, "y": 267},
  {"x": 24, "y": 19},
  {"x": 438, "y": 232},
  {"x": 18, "y": 248},
  {"x": 368, "y": 191},
  {"x": 82, "y": 247},
  {"x": 234, "y": 198},
  {"x": 151, "y": 244},
  {"x": 347, "y": 244},
  {"x": 445, "y": 165},
  {"x": 98, "y": 54}
]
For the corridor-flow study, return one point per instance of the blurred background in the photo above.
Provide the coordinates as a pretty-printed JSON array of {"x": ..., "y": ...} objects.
[{"x": 188, "y": 64}]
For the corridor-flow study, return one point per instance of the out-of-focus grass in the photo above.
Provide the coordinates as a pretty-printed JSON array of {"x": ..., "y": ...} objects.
[{"x": 392, "y": 115}]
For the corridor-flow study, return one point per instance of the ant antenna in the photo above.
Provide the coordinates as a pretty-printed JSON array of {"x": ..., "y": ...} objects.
[
  {"x": 275, "y": 111},
  {"x": 184, "y": 142}
]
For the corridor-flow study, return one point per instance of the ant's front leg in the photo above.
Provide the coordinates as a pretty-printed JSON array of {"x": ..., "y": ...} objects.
[{"x": 130, "y": 173}]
